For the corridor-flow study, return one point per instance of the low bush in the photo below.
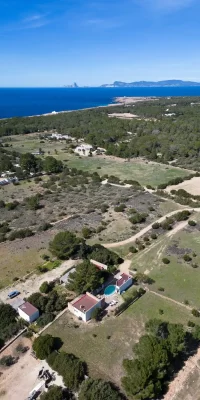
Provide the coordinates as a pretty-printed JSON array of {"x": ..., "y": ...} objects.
[
  {"x": 165, "y": 260},
  {"x": 120, "y": 208},
  {"x": 187, "y": 258},
  {"x": 20, "y": 234},
  {"x": 196, "y": 313},
  {"x": 133, "y": 249},
  {"x": 192, "y": 223},
  {"x": 154, "y": 236},
  {"x": 138, "y": 218},
  {"x": 156, "y": 225}
]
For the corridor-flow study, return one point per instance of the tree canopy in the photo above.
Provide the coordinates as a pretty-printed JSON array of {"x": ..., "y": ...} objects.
[
  {"x": 44, "y": 346},
  {"x": 65, "y": 245},
  {"x": 98, "y": 389},
  {"x": 71, "y": 368},
  {"x": 87, "y": 277},
  {"x": 56, "y": 393},
  {"x": 155, "y": 353}
]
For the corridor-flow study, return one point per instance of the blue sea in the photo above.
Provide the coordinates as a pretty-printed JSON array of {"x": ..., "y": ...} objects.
[{"x": 18, "y": 102}]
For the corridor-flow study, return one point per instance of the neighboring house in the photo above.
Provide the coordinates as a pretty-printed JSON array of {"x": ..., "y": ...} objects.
[
  {"x": 99, "y": 265},
  {"x": 59, "y": 136},
  {"x": 28, "y": 312},
  {"x": 123, "y": 282},
  {"x": 84, "y": 149},
  {"x": 84, "y": 305},
  {"x": 65, "y": 278}
]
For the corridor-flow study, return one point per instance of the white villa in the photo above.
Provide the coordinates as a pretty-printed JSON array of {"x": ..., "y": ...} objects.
[{"x": 84, "y": 305}]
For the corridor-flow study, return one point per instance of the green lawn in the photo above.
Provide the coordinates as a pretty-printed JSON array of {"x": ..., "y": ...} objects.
[{"x": 104, "y": 355}]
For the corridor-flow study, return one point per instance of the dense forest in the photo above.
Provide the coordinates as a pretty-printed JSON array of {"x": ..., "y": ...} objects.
[{"x": 155, "y": 135}]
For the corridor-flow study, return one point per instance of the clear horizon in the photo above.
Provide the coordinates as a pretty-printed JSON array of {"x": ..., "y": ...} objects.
[{"x": 53, "y": 43}]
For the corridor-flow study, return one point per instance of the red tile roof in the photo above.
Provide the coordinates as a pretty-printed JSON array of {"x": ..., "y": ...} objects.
[
  {"x": 28, "y": 309},
  {"x": 85, "y": 302},
  {"x": 122, "y": 279}
]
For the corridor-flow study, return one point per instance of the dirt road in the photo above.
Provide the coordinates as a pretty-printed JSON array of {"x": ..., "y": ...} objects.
[{"x": 146, "y": 229}]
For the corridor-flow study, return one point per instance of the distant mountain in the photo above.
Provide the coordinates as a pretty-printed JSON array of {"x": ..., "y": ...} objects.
[
  {"x": 168, "y": 83},
  {"x": 73, "y": 86}
]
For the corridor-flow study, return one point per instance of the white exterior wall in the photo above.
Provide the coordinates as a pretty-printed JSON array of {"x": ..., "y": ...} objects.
[
  {"x": 125, "y": 285},
  {"x": 85, "y": 316},
  {"x": 28, "y": 318},
  {"x": 89, "y": 312}
]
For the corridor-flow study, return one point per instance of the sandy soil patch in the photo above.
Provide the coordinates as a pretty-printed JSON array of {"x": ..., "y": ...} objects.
[
  {"x": 192, "y": 186},
  {"x": 123, "y": 115},
  {"x": 32, "y": 284},
  {"x": 20, "y": 379},
  {"x": 131, "y": 100},
  {"x": 178, "y": 383}
]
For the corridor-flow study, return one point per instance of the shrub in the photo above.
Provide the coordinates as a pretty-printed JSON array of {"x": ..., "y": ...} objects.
[
  {"x": 156, "y": 225},
  {"x": 133, "y": 249},
  {"x": 44, "y": 227},
  {"x": 195, "y": 313},
  {"x": 187, "y": 258},
  {"x": 165, "y": 260},
  {"x": 138, "y": 218},
  {"x": 182, "y": 215},
  {"x": 20, "y": 234},
  {"x": 154, "y": 236},
  {"x": 192, "y": 223},
  {"x": 120, "y": 208},
  {"x": 12, "y": 206},
  {"x": 86, "y": 232},
  {"x": 191, "y": 324},
  {"x": 2, "y": 204},
  {"x": 7, "y": 361},
  {"x": 161, "y": 289},
  {"x": 104, "y": 208},
  {"x": 46, "y": 287},
  {"x": 151, "y": 208}
]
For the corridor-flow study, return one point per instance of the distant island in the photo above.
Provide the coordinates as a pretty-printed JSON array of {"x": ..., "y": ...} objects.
[
  {"x": 118, "y": 84},
  {"x": 167, "y": 83}
]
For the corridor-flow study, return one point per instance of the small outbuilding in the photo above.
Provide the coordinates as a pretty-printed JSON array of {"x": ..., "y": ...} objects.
[
  {"x": 28, "y": 312},
  {"x": 99, "y": 265},
  {"x": 123, "y": 282}
]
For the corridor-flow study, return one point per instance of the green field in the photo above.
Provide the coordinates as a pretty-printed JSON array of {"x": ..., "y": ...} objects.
[
  {"x": 104, "y": 355},
  {"x": 141, "y": 171}
]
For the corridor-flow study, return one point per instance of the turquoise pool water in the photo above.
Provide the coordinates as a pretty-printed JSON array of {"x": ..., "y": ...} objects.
[{"x": 110, "y": 290}]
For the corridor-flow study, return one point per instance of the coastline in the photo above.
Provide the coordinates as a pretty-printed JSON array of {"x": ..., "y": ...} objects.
[{"x": 126, "y": 100}]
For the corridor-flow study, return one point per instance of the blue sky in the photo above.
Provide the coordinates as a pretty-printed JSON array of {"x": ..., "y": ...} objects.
[{"x": 57, "y": 42}]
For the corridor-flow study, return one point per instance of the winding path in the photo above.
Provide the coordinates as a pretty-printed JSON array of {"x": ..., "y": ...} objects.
[{"x": 146, "y": 229}]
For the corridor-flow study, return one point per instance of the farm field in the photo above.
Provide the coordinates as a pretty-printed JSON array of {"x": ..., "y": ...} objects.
[{"x": 104, "y": 355}]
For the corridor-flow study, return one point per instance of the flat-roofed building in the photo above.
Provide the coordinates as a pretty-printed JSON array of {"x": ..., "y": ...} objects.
[
  {"x": 28, "y": 312},
  {"x": 84, "y": 305},
  {"x": 124, "y": 281}
]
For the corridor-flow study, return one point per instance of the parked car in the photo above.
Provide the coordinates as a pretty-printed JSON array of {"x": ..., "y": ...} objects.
[{"x": 13, "y": 294}]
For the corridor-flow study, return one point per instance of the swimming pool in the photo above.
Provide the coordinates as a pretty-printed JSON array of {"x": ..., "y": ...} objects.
[{"x": 110, "y": 290}]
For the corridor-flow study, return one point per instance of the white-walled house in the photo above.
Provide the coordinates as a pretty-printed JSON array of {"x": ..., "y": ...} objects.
[
  {"x": 84, "y": 150},
  {"x": 123, "y": 282},
  {"x": 84, "y": 305},
  {"x": 28, "y": 312}
]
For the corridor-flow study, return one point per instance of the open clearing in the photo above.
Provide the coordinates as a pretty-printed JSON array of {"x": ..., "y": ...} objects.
[
  {"x": 179, "y": 279},
  {"x": 147, "y": 173},
  {"x": 104, "y": 355},
  {"x": 137, "y": 169},
  {"x": 192, "y": 186}
]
